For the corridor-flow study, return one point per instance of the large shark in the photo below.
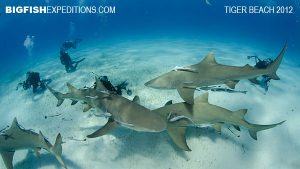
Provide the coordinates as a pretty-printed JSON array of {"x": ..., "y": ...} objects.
[
  {"x": 202, "y": 113},
  {"x": 209, "y": 72},
  {"x": 16, "y": 138},
  {"x": 120, "y": 110}
]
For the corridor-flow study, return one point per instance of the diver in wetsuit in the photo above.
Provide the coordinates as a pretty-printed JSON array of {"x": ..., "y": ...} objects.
[
  {"x": 33, "y": 80},
  {"x": 71, "y": 44},
  {"x": 262, "y": 64},
  {"x": 66, "y": 60},
  {"x": 117, "y": 89}
]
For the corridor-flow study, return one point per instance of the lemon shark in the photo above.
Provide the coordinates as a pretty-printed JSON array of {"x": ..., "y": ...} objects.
[
  {"x": 208, "y": 72},
  {"x": 120, "y": 110},
  {"x": 202, "y": 113},
  {"x": 16, "y": 138}
]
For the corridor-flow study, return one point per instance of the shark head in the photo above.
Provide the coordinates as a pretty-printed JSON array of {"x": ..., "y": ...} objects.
[{"x": 166, "y": 81}]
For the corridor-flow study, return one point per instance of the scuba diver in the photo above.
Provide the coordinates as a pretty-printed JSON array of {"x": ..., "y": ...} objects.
[
  {"x": 261, "y": 64},
  {"x": 117, "y": 89},
  {"x": 70, "y": 44},
  {"x": 33, "y": 80},
  {"x": 65, "y": 59}
]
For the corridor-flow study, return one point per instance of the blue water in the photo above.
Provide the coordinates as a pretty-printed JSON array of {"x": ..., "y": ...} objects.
[{"x": 143, "y": 19}]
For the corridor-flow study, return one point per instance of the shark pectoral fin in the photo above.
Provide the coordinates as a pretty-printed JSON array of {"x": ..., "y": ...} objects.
[
  {"x": 231, "y": 83},
  {"x": 237, "y": 127},
  {"x": 187, "y": 94},
  {"x": 202, "y": 98},
  {"x": 217, "y": 127},
  {"x": 109, "y": 126},
  {"x": 136, "y": 99},
  {"x": 7, "y": 157},
  {"x": 178, "y": 136},
  {"x": 74, "y": 102},
  {"x": 169, "y": 102},
  {"x": 37, "y": 152},
  {"x": 254, "y": 80},
  {"x": 86, "y": 107}
]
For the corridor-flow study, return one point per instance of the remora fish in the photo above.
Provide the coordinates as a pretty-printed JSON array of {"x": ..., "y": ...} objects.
[
  {"x": 181, "y": 115},
  {"x": 208, "y": 72},
  {"x": 16, "y": 138}
]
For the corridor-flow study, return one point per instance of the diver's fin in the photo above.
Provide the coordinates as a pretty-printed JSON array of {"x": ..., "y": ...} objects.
[
  {"x": 187, "y": 94},
  {"x": 7, "y": 157},
  {"x": 71, "y": 88},
  {"x": 272, "y": 68},
  {"x": 57, "y": 150},
  {"x": 169, "y": 102},
  {"x": 86, "y": 107},
  {"x": 217, "y": 127},
  {"x": 136, "y": 99},
  {"x": 202, "y": 98},
  {"x": 256, "y": 128},
  {"x": 58, "y": 95},
  {"x": 109, "y": 126},
  {"x": 178, "y": 136},
  {"x": 231, "y": 83},
  {"x": 74, "y": 102}
]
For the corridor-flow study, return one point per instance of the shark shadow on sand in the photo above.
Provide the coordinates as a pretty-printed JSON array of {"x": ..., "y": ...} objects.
[{"x": 42, "y": 160}]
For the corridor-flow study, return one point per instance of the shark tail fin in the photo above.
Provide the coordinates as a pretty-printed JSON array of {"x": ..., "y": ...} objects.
[
  {"x": 274, "y": 66},
  {"x": 57, "y": 94},
  {"x": 57, "y": 150},
  {"x": 256, "y": 128}
]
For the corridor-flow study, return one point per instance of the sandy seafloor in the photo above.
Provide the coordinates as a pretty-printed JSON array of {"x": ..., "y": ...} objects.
[{"x": 137, "y": 62}]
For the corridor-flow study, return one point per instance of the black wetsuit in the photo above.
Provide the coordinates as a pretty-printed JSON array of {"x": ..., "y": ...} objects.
[{"x": 33, "y": 79}]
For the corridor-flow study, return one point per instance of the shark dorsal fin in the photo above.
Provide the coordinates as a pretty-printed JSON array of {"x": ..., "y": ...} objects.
[
  {"x": 7, "y": 157},
  {"x": 209, "y": 59},
  {"x": 136, "y": 99},
  {"x": 99, "y": 85},
  {"x": 71, "y": 88},
  {"x": 247, "y": 66},
  {"x": 202, "y": 98},
  {"x": 169, "y": 102},
  {"x": 15, "y": 123}
]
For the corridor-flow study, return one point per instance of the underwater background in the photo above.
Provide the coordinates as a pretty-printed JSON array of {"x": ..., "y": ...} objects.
[{"x": 141, "y": 40}]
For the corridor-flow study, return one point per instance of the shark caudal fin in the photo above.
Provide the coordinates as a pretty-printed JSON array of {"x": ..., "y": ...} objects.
[
  {"x": 274, "y": 66},
  {"x": 58, "y": 95},
  {"x": 256, "y": 128},
  {"x": 57, "y": 150}
]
